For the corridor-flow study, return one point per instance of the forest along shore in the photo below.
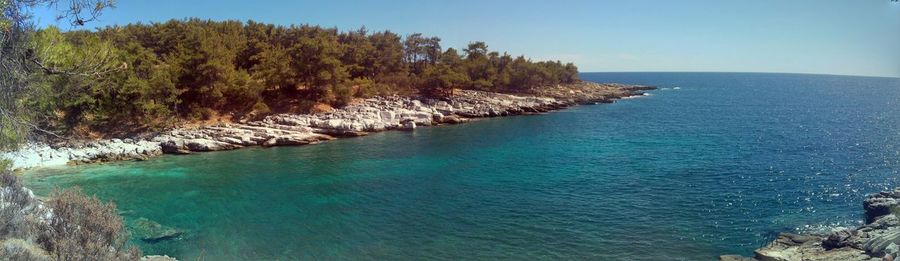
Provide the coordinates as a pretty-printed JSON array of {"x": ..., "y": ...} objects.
[
  {"x": 878, "y": 239},
  {"x": 356, "y": 119}
]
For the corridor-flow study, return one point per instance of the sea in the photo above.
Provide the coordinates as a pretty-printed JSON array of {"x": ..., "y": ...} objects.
[{"x": 709, "y": 164}]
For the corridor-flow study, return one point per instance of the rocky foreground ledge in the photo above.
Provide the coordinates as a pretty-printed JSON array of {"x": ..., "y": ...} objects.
[
  {"x": 878, "y": 239},
  {"x": 357, "y": 119}
]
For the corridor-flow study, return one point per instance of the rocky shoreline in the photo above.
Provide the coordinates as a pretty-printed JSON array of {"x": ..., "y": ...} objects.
[
  {"x": 878, "y": 239},
  {"x": 357, "y": 119}
]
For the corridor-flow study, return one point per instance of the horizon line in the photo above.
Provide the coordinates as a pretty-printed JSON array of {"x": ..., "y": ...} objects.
[{"x": 750, "y": 72}]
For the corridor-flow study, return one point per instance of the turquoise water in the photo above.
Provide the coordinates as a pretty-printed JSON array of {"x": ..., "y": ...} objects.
[{"x": 714, "y": 168}]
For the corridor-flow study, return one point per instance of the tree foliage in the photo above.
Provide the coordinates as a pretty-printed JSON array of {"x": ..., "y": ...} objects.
[
  {"x": 152, "y": 74},
  {"x": 34, "y": 69},
  {"x": 18, "y": 61}
]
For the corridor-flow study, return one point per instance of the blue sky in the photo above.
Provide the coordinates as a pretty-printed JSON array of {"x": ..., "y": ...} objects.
[{"x": 853, "y": 37}]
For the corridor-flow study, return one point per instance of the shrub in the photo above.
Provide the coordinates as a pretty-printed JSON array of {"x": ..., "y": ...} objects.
[
  {"x": 84, "y": 228},
  {"x": 261, "y": 108},
  {"x": 79, "y": 228},
  {"x": 343, "y": 95},
  {"x": 201, "y": 113}
]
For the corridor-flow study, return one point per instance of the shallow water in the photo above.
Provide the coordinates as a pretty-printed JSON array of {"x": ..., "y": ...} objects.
[{"x": 716, "y": 167}]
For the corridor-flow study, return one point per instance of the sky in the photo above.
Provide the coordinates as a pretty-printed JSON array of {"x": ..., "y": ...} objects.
[{"x": 847, "y": 37}]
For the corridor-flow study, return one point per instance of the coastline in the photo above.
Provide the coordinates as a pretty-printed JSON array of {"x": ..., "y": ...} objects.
[
  {"x": 356, "y": 119},
  {"x": 877, "y": 240}
]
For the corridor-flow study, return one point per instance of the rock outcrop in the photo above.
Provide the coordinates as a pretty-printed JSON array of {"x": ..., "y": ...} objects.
[
  {"x": 42, "y": 155},
  {"x": 591, "y": 93},
  {"x": 20, "y": 249},
  {"x": 880, "y": 204},
  {"x": 356, "y": 119},
  {"x": 878, "y": 239}
]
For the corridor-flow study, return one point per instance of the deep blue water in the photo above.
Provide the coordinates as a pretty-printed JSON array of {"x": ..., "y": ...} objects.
[{"x": 717, "y": 167}]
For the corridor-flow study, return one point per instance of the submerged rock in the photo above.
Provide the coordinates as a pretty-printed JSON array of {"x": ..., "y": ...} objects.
[
  {"x": 158, "y": 258},
  {"x": 152, "y": 232}
]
